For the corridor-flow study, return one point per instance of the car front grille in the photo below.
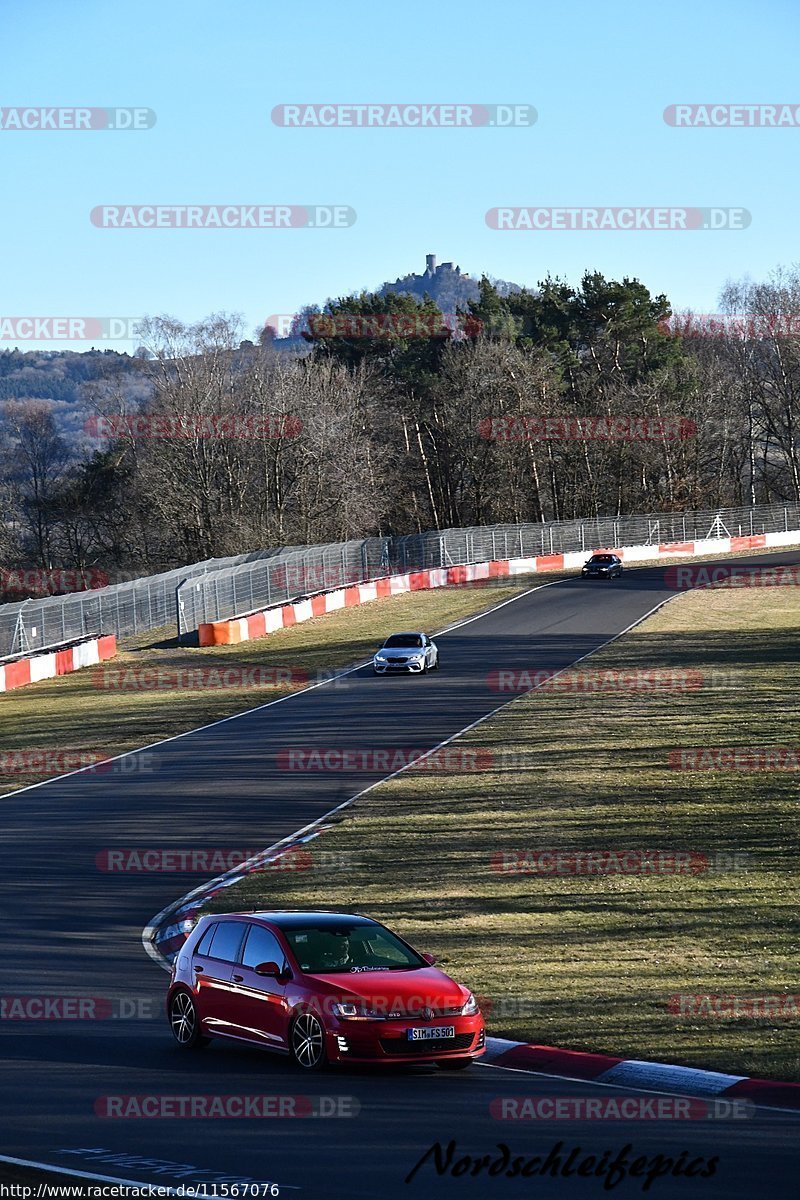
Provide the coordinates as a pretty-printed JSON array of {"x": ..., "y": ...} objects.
[
  {"x": 430, "y": 1014},
  {"x": 401, "y": 1045}
]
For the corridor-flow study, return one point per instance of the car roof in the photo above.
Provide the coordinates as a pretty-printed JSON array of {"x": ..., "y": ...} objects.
[
  {"x": 290, "y": 918},
  {"x": 406, "y": 633}
]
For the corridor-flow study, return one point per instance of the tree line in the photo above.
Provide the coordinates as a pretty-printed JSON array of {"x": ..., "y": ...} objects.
[{"x": 538, "y": 405}]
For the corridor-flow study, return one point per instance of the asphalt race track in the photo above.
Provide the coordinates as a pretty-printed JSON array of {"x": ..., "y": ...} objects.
[{"x": 70, "y": 930}]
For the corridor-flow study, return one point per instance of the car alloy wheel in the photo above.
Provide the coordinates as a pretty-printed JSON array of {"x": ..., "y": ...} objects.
[
  {"x": 308, "y": 1042},
  {"x": 184, "y": 1023}
]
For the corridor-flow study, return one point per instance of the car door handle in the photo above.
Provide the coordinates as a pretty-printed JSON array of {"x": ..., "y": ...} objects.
[
  {"x": 198, "y": 970},
  {"x": 237, "y": 978}
]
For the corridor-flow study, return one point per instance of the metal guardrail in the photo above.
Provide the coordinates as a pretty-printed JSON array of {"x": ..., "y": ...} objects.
[
  {"x": 230, "y": 587},
  {"x": 125, "y": 608},
  {"x": 448, "y": 547}
]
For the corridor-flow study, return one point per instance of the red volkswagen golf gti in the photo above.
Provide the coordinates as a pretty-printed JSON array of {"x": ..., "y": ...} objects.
[{"x": 322, "y": 987}]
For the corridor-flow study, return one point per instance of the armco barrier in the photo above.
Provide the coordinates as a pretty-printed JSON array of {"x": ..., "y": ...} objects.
[
  {"x": 255, "y": 625},
  {"x": 57, "y": 662}
]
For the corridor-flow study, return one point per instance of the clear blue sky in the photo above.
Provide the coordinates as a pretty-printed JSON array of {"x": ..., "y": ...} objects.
[{"x": 599, "y": 75}]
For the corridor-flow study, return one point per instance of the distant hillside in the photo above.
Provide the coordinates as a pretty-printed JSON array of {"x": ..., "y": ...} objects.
[
  {"x": 71, "y": 380},
  {"x": 66, "y": 378}
]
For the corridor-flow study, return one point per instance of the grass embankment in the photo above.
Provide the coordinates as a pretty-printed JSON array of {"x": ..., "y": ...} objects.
[
  {"x": 155, "y": 688},
  {"x": 589, "y": 962}
]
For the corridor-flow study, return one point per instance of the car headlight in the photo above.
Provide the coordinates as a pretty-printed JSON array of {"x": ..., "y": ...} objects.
[
  {"x": 346, "y": 1011},
  {"x": 471, "y": 1008},
  {"x": 380, "y": 658}
]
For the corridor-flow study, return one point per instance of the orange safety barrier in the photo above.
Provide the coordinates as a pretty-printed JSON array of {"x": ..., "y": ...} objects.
[
  {"x": 18, "y": 673},
  {"x": 550, "y": 562},
  {"x": 106, "y": 646},
  {"x": 754, "y": 542}
]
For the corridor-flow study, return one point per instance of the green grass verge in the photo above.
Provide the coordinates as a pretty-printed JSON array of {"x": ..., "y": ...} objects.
[
  {"x": 107, "y": 710},
  {"x": 589, "y": 962}
]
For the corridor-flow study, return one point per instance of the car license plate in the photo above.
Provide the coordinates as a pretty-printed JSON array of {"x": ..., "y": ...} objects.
[{"x": 431, "y": 1032}]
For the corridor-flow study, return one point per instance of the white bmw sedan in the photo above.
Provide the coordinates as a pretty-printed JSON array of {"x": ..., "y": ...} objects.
[{"x": 412, "y": 653}]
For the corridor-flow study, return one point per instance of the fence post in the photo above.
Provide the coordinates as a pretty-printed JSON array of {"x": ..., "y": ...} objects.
[{"x": 178, "y": 610}]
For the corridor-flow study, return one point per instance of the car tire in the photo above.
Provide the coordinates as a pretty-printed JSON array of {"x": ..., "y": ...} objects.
[
  {"x": 453, "y": 1064},
  {"x": 307, "y": 1042},
  {"x": 185, "y": 1023},
  {"x": 435, "y": 666}
]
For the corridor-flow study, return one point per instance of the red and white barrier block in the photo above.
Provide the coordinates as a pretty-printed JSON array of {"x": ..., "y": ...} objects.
[
  {"x": 256, "y": 625},
  {"x": 56, "y": 662}
]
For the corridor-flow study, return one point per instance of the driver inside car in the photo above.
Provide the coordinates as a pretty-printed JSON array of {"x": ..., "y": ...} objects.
[{"x": 338, "y": 956}]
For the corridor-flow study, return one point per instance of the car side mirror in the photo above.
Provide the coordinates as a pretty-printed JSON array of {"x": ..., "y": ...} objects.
[
  {"x": 270, "y": 969},
  {"x": 430, "y": 959}
]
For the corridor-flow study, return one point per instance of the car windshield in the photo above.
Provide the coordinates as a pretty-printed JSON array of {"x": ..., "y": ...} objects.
[
  {"x": 603, "y": 558},
  {"x": 320, "y": 949},
  {"x": 404, "y": 641}
]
